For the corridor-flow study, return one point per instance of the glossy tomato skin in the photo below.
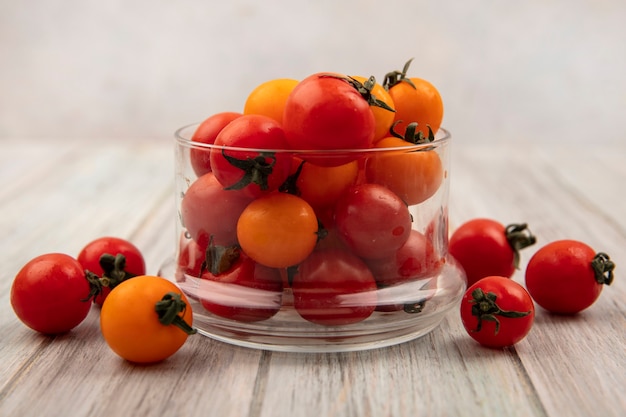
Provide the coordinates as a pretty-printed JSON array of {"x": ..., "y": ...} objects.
[
  {"x": 207, "y": 209},
  {"x": 560, "y": 277},
  {"x": 416, "y": 259},
  {"x": 206, "y": 132},
  {"x": 130, "y": 325},
  {"x": 325, "y": 112},
  {"x": 247, "y": 291},
  {"x": 333, "y": 287},
  {"x": 264, "y": 171},
  {"x": 373, "y": 221},
  {"x": 506, "y": 325},
  {"x": 481, "y": 247},
  {"x": 48, "y": 294}
]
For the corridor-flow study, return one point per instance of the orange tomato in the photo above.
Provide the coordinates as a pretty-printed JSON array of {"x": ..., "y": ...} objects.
[
  {"x": 278, "y": 230},
  {"x": 384, "y": 117},
  {"x": 268, "y": 98},
  {"x": 131, "y": 325},
  {"x": 321, "y": 186},
  {"x": 420, "y": 102},
  {"x": 414, "y": 175}
]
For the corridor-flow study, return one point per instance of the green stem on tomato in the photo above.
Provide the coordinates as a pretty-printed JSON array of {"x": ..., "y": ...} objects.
[
  {"x": 519, "y": 237},
  {"x": 168, "y": 310},
  {"x": 603, "y": 268},
  {"x": 486, "y": 308}
]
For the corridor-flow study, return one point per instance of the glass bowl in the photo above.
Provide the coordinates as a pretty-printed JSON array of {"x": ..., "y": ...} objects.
[{"x": 375, "y": 273}]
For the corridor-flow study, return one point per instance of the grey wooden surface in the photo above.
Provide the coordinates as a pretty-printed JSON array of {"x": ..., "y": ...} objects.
[{"x": 58, "y": 195}]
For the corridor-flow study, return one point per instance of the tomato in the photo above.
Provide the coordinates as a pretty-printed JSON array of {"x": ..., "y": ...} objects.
[
  {"x": 146, "y": 319},
  {"x": 567, "y": 276},
  {"x": 413, "y": 175},
  {"x": 383, "y": 114},
  {"x": 497, "y": 311},
  {"x": 206, "y": 133},
  {"x": 416, "y": 259},
  {"x": 190, "y": 258},
  {"x": 415, "y": 100},
  {"x": 236, "y": 287},
  {"x": 109, "y": 261},
  {"x": 49, "y": 293},
  {"x": 207, "y": 209},
  {"x": 256, "y": 171},
  {"x": 485, "y": 247},
  {"x": 321, "y": 186},
  {"x": 334, "y": 287},
  {"x": 325, "y": 111},
  {"x": 278, "y": 230},
  {"x": 269, "y": 98},
  {"x": 372, "y": 221}
]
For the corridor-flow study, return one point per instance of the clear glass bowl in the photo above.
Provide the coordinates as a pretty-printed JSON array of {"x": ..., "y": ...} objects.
[{"x": 371, "y": 278}]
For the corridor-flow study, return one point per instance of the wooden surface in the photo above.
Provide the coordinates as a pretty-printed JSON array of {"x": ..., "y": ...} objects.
[{"x": 57, "y": 196}]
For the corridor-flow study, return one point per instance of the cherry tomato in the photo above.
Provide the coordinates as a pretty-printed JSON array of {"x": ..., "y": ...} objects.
[
  {"x": 416, "y": 259},
  {"x": 321, "y": 186},
  {"x": 413, "y": 175},
  {"x": 109, "y": 261},
  {"x": 146, "y": 319},
  {"x": 236, "y": 287},
  {"x": 485, "y": 247},
  {"x": 325, "y": 111},
  {"x": 497, "y": 312},
  {"x": 190, "y": 258},
  {"x": 206, "y": 133},
  {"x": 415, "y": 100},
  {"x": 383, "y": 114},
  {"x": 567, "y": 276},
  {"x": 207, "y": 209},
  {"x": 258, "y": 170},
  {"x": 269, "y": 98},
  {"x": 334, "y": 287},
  {"x": 278, "y": 230},
  {"x": 372, "y": 221},
  {"x": 50, "y": 293}
]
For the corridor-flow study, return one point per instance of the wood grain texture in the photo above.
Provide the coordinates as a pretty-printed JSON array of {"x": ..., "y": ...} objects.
[{"x": 57, "y": 196}]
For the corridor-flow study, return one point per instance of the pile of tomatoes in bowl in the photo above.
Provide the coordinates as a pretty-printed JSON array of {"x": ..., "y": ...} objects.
[{"x": 320, "y": 206}]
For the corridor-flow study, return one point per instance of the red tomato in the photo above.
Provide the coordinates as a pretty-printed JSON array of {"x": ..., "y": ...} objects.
[
  {"x": 190, "y": 258},
  {"x": 416, "y": 259},
  {"x": 567, "y": 276},
  {"x": 49, "y": 292},
  {"x": 258, "y": 170},
  {"x": 373, "y": 221},
  {"x": 206, "y": 133},
  {"x": 238, "y": 288},
  {"x": 325, "y": 111},
  {"x": 110, "y": 260},
  {"x": 207, "y": 209},
  {"x": 485, "y": 247},
  {"x": 497, "y": 312},
  {"x": 333, "y": 287}
]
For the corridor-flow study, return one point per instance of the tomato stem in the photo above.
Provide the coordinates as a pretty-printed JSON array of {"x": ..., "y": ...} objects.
[
  {"x": 412, "y": 135},
  {"x": 486, "y": 308},
  {"x": 519, "y": 237},
  {"x": 602, "y": 264},
  {"x": 114, "y": 272},
  {"x": 168, "y": 309},
  {"x": 364, "y": 89},
  {"x": 395, "y": 77},
  {"x": 219, "y": 259},
  {"x": 255, "y": 170},
  {"x": 290, "y": 185}
]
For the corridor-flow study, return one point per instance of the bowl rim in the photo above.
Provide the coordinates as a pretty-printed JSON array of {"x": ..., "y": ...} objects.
[{"x": 442, "y": 136}]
